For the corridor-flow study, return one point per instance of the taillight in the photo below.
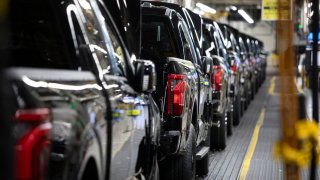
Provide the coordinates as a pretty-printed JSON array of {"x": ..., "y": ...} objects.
[
  {"x": 251, "y": 61},
  {"x": 177, "y": 87},
  {"x": 234, "y": 69},
  {"x": 216, "y": 78},
  {"x": 33, "y": 145},
  {"x": 32, "y": 115}
]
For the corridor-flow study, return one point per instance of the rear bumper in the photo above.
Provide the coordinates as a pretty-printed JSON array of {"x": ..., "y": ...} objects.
[
  {"x": 216, "y": 95},
  {"x": 171, "y": 135}
]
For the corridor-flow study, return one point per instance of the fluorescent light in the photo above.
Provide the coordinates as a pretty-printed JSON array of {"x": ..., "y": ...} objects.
[
  {"x": 206, "y": 8},
  {"x": 198, "y": 11},
  {"x": 233, "y": 8},
  {"x": 245, "y": 16}
]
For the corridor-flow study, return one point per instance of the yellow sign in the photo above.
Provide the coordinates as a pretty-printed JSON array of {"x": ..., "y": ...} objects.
[
  {"x": 3, "y": 7},
  {"x": 270, "y": 10}
]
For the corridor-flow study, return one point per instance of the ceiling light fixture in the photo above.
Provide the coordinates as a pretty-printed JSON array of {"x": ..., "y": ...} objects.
[
  {"x": 206, "y": 8},
  {"x": 198, "y": 11},
  {"x": 234, "y": 8},
  {"x": 245, "y": 16}
]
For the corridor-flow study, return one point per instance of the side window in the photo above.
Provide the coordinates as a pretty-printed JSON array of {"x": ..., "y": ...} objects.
[
  {"x": 78, "y": 39},
  {"x": 242, "y": 46},
  {"x": 218, "y": 44},
  {"x": 208, "y": 44},
  {"x": 156, "y": 40},
  {"x": 222, "y": 49},
  {"x": 117, "y": 51},
  {"x": 96, "y": 39},
  {"x": 186, "y": 45}
]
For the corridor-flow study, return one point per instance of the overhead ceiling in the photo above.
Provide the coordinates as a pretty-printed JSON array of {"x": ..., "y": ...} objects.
[{"x": 230, "y": 2}]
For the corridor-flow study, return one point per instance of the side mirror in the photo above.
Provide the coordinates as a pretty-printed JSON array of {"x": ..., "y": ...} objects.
[
  {"x": 207, "y": 65},
  {"x": 145, "y": 76}
]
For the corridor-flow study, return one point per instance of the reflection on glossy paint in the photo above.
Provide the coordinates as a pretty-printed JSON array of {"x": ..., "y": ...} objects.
[
  {"x": 95, "y": 47},
  {"x": 210, "y": 49},
  {"x": 92, "y": 117},
  {"x": 133, "y": 58},
  {"x": 116, "y": 114},
  {"x": 139, "y": 120},
  {"x": 84, "y": 4},
  {"x": 128, "y": 100},
  {"x": 43, "y": 84}
]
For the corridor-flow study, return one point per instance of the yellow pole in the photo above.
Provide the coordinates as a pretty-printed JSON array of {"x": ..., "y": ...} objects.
[{"x": 288, "y": 102}]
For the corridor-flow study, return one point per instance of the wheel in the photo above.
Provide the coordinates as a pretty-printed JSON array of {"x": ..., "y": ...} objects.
[
  {"x": 219, "y": 135},
  {"x": 182, "y": 166},
  {"x": 229, "y": 123},
  {"x": 237, "y": 108}
]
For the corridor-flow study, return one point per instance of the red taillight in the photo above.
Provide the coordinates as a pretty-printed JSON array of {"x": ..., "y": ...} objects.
[
  {"x": 176, "y": 94},
  {"x": 251, "y": 61},
  {"x": 216, "y": 78},
  {"x": 33, "y": 147},
  {"x": 32, "y": 115},
  {"x": 234, "y": 69}
]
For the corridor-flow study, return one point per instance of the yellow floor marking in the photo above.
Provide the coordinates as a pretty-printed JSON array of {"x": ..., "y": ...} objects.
[
  {"x": 254, "y": 139},
  {"x": 272, "y": 85}
]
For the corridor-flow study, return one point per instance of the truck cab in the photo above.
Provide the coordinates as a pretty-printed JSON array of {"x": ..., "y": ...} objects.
[
  {"x": 80, "y": 109},
  {"x": 167, "y": 41}
]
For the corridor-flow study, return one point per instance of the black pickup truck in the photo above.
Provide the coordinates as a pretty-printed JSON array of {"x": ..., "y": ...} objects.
[
  {"x": 221, "y": 80},
  {"x": 231, "y": 36},
  {"x": 183, "y": 86},
  {"x": 82, "y": 108}
]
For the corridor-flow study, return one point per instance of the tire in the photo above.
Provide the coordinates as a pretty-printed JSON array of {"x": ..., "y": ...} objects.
[
  {"x": 249, "y": 94},
  {"x": 223, "y": 135},
  {"x": 229, "y": 123},
  {"x": 237, "y": 111},
  {"x": 253, "y": 90},
  {"x": 214, "y": 136},
  {"x": 156, "y": 172},
  {"x": 242, "y": 108},
  {"x": 203, "y": 164},
  {"x": 218, "y": 135},
  {"x": 154, "y": 175},
  {"x": 181, "y": 167}
]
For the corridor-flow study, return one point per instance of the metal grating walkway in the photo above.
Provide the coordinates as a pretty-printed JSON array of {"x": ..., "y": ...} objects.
[{"x": 227, "y": 164}]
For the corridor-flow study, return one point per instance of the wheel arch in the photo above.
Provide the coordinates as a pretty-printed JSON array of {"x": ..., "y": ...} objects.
[{"x": 90, "y": 171}]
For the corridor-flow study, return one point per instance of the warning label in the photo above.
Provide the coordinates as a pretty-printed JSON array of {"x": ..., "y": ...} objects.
[{"x": 276, "y": 10}]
